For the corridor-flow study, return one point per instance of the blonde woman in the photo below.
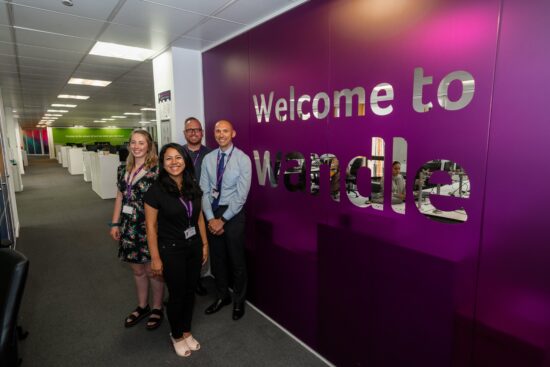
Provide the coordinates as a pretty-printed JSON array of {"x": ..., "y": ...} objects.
[{"x": 128, "y": 226}]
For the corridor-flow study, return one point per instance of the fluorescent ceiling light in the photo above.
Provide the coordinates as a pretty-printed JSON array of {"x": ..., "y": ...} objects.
[
  {"x": 98, "y": 121},
  {"x": 59, "y": 111},
  {"x": 53, "y": 114},
  {"x": 148, "y": 109},
  {"x": 108, "y": 119},
  {"x": 153, "y": 120},
  {"x": 94, "y": 83},
  {"x": 111, "y": 127},
  {"x": 120, "y": 51},
  {"x": 119, "y": 117},
  {"x": 144, "y": 122},
  {"x": 78, "y": 126},
  {"x": 132, "y": 113},
  {"x": 63, "y": 105},
  {"x": 71, "y": 96}
]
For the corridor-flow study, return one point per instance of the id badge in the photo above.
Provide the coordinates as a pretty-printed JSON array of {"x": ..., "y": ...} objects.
[
  {"x": 190, "y": 232},
  {"x": 127, "y": 209},
  {"x": 215, "y": 194}
]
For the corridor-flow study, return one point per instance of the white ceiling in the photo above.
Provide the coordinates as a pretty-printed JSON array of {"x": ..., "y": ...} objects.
[{"x": 43, "y": 43}]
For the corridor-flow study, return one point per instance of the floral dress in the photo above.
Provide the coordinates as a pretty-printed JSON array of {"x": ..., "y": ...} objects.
[{"x": 133, "y": 239}]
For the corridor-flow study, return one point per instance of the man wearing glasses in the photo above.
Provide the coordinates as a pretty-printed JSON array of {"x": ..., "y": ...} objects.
[{"x": 192, "y": 130}]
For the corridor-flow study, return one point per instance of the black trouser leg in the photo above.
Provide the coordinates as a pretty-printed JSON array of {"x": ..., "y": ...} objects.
[
  {"x": 234, "y": 241},
  {"x": 181, "y": 267},
  {"x": 218, "y": 258}
]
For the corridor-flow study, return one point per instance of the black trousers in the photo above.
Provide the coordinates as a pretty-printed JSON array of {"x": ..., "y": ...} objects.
[
  {"x": 227, "y": 254},
  {"x": 181, "y": 268}
]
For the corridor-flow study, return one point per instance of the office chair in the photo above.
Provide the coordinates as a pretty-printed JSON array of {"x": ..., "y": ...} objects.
[{"x": 13, "y": 275}]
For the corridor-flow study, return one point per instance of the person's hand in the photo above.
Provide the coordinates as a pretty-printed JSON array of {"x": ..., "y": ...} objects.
[
  {"x": 115, "y": 233},
  {"x": 156, "y": 267},
  {"x": 215, "y": 226},
  {"x": 204, "y": 254}
]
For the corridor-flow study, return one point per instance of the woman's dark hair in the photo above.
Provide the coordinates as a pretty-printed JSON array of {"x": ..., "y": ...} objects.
[{"x": 190, "y": 190}]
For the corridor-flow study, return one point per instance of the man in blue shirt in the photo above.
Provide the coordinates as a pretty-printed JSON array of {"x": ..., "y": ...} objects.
[
  {"x": 192, "y": 131},
  {"x": 225, "y": 181}
]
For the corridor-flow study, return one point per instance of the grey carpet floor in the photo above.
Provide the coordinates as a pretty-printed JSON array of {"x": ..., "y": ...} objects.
[{"x": 78, "y": 293}]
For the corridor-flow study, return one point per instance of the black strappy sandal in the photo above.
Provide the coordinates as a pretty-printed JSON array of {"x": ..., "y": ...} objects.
[
  {"x": 132, "y": 319},
  {"x": 154, "y": 322}
]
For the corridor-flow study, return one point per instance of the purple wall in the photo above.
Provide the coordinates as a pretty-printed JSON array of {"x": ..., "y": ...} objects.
[{"x": 377, "y": 288}]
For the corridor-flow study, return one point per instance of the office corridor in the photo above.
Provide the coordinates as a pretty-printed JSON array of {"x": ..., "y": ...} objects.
[{"x": 78, "y": 292}]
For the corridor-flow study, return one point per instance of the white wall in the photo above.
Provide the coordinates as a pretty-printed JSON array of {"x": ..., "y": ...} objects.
[
  {"x": 179, "y": 71},
  {"x": 8, "y": 137}
]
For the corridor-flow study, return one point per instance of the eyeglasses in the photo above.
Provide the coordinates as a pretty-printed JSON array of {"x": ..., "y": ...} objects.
[{"x": 193, "y": 131}]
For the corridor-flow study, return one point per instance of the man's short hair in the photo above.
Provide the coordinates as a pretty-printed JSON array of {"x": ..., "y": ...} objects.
[{"x": 189, "y": 119}]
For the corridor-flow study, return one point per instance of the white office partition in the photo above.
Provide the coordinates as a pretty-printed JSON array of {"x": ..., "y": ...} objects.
[
  {"x": 104, "y": 168},
  {"x": 76, "y": 164}
]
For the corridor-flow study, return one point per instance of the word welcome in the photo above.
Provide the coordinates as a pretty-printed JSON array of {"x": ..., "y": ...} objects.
[{"x": 319, "y": 106}]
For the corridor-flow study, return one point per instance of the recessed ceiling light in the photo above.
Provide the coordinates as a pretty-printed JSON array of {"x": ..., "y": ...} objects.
[
  {"x": 108, "y": 119},
  {"x": 144, "y": 122},
  {"x": 78, "y": 126},
  {"x": 119, "y": 117},
  {"x": 52, "y": 114},
  {"x": 120, "y": 51},
  {"x": 153, "y": 120},
  {"x": 91, "y": 82},
  {"x": 98, "y": 121},
  {"x": 63, "y": 105},
  {"x": 71, "y": 96},
  {"x": 148, "y": 109},
  {"x": 59, "y": 111},
  {"x": 14, "y": 111},
  {"x": 132, "y": 113}
]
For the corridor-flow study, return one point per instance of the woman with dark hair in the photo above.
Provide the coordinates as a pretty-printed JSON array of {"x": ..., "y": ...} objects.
[
  {"x": 177, "y": 239},
  {"x": 128, "y": 225}
]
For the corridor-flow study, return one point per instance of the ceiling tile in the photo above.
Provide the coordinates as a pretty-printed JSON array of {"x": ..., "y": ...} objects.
[
  {"x": 36, "y": 38},
  {"x": 153, "y": 17},
  {"x": 33, "y": 62},
  {"x": 48, "y": 53},
  {"x": 4, "y": 15},
  {"x": 199, "y": 6},
  {"x": 214, "y": 29},
  {"x": 97, "y": 9},
  {"x": 192, "y": 43},
  {"x": 7, "y": 59},
  {"x": 135, "y": 36},
  {"x": 6, "y": 48},
  {"x": 56, "y": 22},
  {"x": 251, "y": 11},
  {"x": 5, "y": 33}
]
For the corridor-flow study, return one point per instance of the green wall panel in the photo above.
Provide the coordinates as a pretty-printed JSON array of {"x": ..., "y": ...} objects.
[{"x": 63, "y": 136}]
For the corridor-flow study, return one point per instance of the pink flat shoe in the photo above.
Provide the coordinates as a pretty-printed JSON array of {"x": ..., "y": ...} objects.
[
  {"x": 181, "y": 347},
  {"x": 192, "y": 343}
]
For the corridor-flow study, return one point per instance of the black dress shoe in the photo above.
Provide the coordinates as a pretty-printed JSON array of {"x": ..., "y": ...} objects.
[
  {"x": 200, "y": 290},
  {"x": 217, "y": 305},
  {"x": 238, "y": 311}
]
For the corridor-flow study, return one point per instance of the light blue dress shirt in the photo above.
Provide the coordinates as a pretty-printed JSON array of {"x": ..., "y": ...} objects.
[{"x": 236, "y": 181}]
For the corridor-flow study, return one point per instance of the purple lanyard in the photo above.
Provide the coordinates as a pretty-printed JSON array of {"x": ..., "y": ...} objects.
[
  {"x": 188, "y": 209},
  {"x": 129, "y": 183},
  {"x": 197, "y": 157},
  {"x": 219, "y": 179}
]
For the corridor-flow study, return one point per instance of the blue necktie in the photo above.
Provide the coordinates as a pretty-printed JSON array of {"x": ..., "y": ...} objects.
[{"x": 219, "y": 172}]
